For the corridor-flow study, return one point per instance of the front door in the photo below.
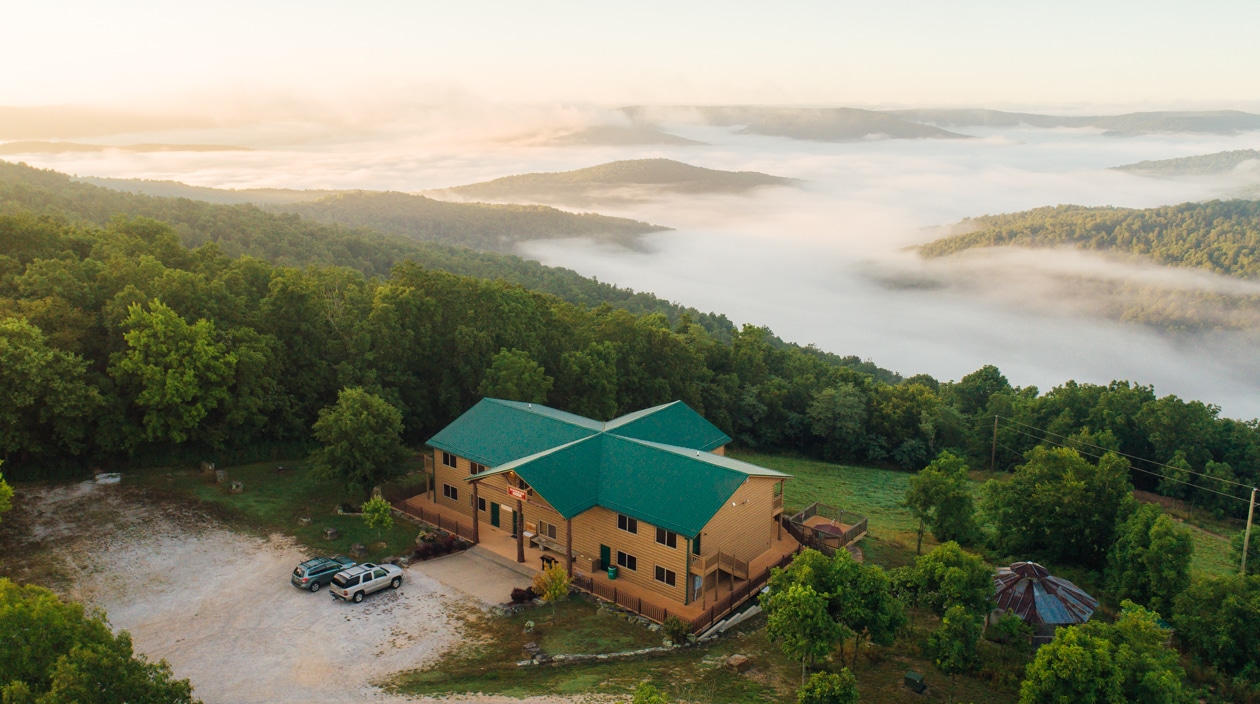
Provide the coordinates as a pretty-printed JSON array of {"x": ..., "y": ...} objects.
[
  {"x": 605, "y": 556},
  {"x": 494, "y": 514}
]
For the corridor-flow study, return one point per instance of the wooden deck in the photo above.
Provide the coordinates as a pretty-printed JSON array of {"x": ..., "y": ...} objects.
[{"x": 620, "y": 591}]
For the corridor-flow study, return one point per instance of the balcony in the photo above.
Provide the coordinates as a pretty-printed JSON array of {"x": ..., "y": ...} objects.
[{"x": 703, "y": 565}]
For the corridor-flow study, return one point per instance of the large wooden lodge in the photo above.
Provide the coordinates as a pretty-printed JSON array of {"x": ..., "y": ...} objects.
[{"x": 650, "y": 492}]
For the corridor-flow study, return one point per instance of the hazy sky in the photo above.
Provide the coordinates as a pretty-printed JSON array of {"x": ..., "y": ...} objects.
[{"x": 1110, "y": 53}]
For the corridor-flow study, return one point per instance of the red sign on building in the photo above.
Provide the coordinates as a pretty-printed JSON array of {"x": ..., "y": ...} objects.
[{"x": 518, "y": 493}]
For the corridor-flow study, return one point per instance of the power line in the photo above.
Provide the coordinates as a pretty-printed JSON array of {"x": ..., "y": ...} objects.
[
  {"x": 1125, "y": 454},
  {"x": 1139, "y": 469}
]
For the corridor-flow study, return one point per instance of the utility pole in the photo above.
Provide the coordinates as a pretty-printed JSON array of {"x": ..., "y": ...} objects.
[
  {"x": 993, "y": 457},
  {"x": 1247, "y": 537}
]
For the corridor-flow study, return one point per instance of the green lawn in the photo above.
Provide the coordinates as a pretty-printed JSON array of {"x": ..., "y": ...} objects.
[
  {"x": 874, "y": 493},
  {"x": 274, "y": 501}
]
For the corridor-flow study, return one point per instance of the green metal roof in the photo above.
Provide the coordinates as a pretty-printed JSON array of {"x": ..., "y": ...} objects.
[
  {"x": 673, "y": 423},
  {"x": 678, "y": 488},
  {"x": 494, "y": 431}
]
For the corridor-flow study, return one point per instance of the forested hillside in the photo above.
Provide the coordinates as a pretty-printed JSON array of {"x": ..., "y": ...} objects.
[
  {"x": 120, "y": 345},
  {"x": 289, "y": 240},
  {"x": 613, "y": 179},
  {"x": 481, "y": 226},
  {"x": 1218, "y": 236},
  {"x": 1199, "y": 165}
]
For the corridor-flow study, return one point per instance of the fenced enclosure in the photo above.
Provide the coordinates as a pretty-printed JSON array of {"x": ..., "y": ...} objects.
[{"x": 826, "y": 528}]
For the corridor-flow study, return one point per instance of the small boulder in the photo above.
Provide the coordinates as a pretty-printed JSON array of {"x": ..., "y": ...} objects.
[
  {"x": 237, "y": 487},
  {"x": 331, "y": 534},
  {"x": 739, "y": 663},
  {"x": 305, "y": 520},
  {"x": 220, "y": 476},
  {"x": 357, "y": 550}
]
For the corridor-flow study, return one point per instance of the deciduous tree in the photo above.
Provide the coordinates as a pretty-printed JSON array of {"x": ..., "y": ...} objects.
[
  {"x": 1150, "y": 561},
  {"x": 939, "y": 496},
  {"x": 1059, "y": 506},
  {"x": 514, "y": 376},
  {"x": 360, "y": 436},
  {"x": 829, "y": 688},
  {"x": 798, "y": 620},
  {"x": 378, "y": 515}
]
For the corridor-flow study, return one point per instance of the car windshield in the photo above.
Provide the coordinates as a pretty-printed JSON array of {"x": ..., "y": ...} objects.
[
  {"x": 299, "y": 573},
  {"x": 344, "y": 581}
]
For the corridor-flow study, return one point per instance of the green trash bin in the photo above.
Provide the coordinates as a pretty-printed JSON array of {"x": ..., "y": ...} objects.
[{"x": 612, "y": 571}]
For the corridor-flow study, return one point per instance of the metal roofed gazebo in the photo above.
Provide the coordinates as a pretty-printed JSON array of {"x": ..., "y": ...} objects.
[{"x": 1029, "y": 591}]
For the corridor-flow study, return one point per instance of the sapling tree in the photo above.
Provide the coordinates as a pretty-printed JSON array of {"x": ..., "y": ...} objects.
[{"x": 378, "y": 515}]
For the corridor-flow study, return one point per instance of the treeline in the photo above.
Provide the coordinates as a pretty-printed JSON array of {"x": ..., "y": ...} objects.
[
  {"x": 289, "y": 240},
  {"x": 121, "y": 344},
  {"x": 484, "y": 226},
  {"x": 1219, "y": 236}
]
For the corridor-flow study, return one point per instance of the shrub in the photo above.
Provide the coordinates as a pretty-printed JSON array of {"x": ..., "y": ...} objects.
[{"x": 676, "y": 629}]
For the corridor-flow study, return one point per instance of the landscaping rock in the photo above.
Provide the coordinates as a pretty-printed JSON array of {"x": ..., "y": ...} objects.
[
  {"x": 207, "y": 468},
  {"x": 404, "y": 561},
  {"x": 108, "y": 478},
  {"x": 237, "y": 487},
  {"x": 739, "y": 663},
  {"x": 220, "y": 476},
  {"x": 305, "y": 520},
  {"x": 356, "y": 550},
  {"x": 331, "y": 534}
]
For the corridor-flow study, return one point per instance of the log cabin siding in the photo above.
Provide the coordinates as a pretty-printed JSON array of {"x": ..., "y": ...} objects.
[
  {"x": 743, "y": 529},
  {"x": 598, "y": 526}
]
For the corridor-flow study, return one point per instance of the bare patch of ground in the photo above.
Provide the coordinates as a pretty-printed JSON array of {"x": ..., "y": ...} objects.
[{"x": 217, "y": 603}]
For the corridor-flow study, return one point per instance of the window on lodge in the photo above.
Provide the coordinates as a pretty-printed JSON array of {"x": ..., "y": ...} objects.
[
  {"x": 481, "y": 503},
  {"x": 474, "y": 468},
  {"x": 627, "y": 523},
  {"x": 450, "y": 492},
  {"x": 629, "y": 562},
  {"x": 448, "y": 459},
  {"x": 666, "y": 576},
  {"x": 667, "y": 537},
  {"x": 547, "y": 530}
]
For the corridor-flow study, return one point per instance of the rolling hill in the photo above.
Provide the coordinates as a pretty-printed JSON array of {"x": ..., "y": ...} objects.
[
  {"x": 621, "y": 136},
  {"x": 225, "y": 196},
  {"x": 1200, "y": 165},
  {"x": 809, "y": 124},
  {"x": 1200, "y": 122},
  {"x": 1217, "y": 236},
  {"x": 617, "y": 181},
  {"x": 483, "y": 226}
]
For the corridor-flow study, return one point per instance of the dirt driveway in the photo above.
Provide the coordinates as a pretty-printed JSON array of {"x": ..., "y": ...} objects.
[{"x": 218, "y": 605}]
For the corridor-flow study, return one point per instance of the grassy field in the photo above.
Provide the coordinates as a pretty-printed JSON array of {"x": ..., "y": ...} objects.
[
  {"x": 874, "y": 493},
  {"x": 273, "y": 501},
  {"x": 486, "y": 664}
]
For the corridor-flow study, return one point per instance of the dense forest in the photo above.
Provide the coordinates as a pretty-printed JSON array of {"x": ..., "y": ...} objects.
[
  {"x": 1219, "y": 236},
  {"x": 119, "y": 344},
  {"x": 289, "y": 240}
]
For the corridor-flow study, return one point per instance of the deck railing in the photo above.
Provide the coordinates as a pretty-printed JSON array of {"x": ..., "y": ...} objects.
[
  {"x": 416, "y": 509},
  {"x": 719, "y": 560},
  {"x": 826, "y": 543},
  {"x": 723, "y": 606}
]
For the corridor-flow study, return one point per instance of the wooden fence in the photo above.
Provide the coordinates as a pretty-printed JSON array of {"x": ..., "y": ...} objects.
[
  {"x": 827, "y": 543},
  {"x": 450, "y": 525},
  {"x": 724, "y": 606}
]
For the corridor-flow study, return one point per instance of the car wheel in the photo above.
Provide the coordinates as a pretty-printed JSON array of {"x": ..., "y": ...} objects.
[
  {"x": 358, "y": 597},
  {"x": 314, "y": 587},
  {"x": 396, "y": 583}
]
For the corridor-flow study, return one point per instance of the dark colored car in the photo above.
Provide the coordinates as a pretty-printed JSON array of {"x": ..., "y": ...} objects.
[{"x": 319, "y": 571}]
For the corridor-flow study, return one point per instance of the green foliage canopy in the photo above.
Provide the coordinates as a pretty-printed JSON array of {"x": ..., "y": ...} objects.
[
  {"x": 940, "y": 497},
  {"x": 514, "y": 376},
  {"x": 829, "y": 688},
  {"x": 361, "y": 436},
  {"x": 1150, "y": 560},
  {"x": 1059, "y": 506},
  {"x": 52, "y": 651}
]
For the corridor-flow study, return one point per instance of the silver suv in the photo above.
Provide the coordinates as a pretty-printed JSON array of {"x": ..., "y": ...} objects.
[{"x": 359, "y": 581}]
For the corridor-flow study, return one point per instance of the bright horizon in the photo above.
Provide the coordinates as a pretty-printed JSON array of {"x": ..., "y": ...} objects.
[{"x": 239, "y": 57}]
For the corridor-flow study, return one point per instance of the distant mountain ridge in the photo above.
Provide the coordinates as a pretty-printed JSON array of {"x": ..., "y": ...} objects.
[
  {"x": 806, "y": 124},
  {"x": 1199, "y": 165},
  {"x": 1134, "y": 123},
  {"x": 621, "y": 136},
  {"x": 37, "y": 147},
  {"x": 224, "y": 196},
  {"x": 617, "y": 181}
]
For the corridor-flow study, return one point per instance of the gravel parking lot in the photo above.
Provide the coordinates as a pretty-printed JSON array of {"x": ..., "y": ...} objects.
[{"x": 217, "y": 604}]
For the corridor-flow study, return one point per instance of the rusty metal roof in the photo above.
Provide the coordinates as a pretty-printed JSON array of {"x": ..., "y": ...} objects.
[{"x": 1029, "y": 590}]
